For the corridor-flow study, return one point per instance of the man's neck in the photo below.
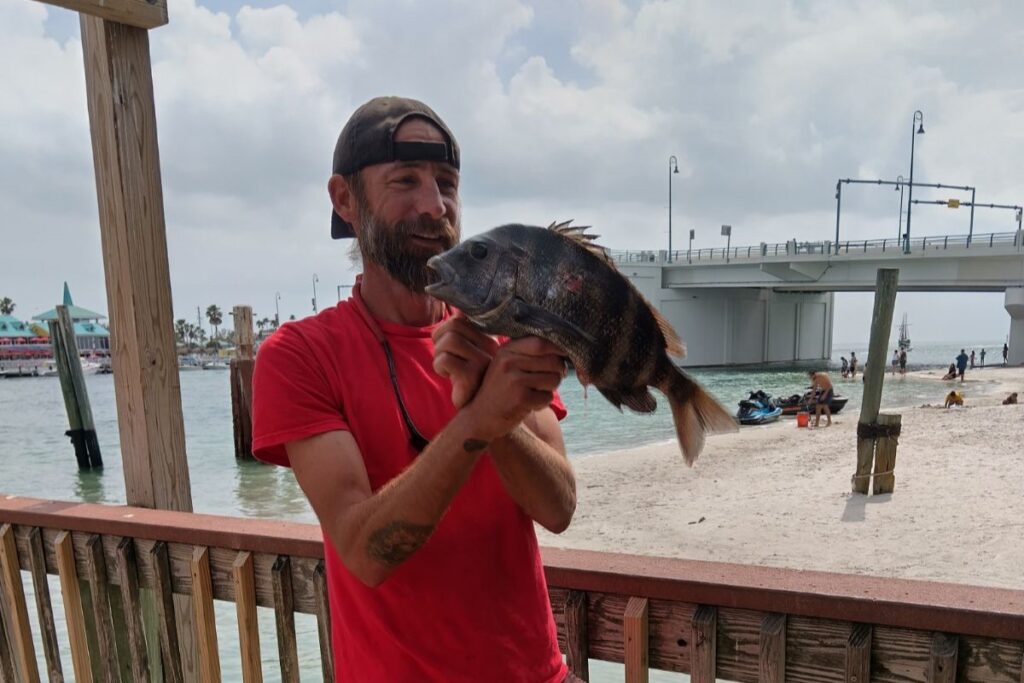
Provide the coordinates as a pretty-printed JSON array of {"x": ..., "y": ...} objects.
[{"x": 389, "y": 300}]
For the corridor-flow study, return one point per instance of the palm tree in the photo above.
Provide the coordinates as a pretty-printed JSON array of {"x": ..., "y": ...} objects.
[
  {"x": 6, "y": 306},
  {"x": 180, "y": 331},
  {"x": 215, "y": 317}
]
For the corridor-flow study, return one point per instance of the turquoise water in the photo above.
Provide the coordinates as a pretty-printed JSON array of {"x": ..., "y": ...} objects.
[{"x": 36, "y": 458}]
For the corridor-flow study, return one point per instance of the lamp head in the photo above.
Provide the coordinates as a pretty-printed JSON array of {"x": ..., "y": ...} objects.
[{"x": 920, "y": 128}]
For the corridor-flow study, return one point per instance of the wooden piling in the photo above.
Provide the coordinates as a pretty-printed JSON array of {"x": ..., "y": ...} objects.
[
  {"x": 81, "y": 428},
  {"x": 874, "y": 373},
  {"x": 241, "y": 382},
  {"x": 884, "y": 480}
]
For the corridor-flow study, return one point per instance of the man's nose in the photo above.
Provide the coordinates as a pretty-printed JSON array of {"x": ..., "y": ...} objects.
[{"x": 430, "y": 201}]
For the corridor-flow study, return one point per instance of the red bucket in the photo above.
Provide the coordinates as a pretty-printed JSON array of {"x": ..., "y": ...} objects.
[{"x": 802, "y": 419}]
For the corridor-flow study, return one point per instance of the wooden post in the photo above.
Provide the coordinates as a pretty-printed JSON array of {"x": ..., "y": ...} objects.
[
  {"x": 874, "y": 373},
  {"x": 884, "y": 480},
  {"x": 241, "y": 382},
  {"x": 81, "y": 428},
  {"x": 122, "y": 123}
]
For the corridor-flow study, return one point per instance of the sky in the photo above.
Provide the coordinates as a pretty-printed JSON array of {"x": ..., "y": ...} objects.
[{"x": 562, "y": 110}]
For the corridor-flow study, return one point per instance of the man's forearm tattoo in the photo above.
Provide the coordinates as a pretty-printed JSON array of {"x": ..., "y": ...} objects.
[
  {"x": 395, "y": 543},
  {"x": 473, "y": 445}
]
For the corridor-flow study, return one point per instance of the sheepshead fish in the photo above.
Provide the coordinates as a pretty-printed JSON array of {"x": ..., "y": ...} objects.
[{"x": 556, "y": 283}]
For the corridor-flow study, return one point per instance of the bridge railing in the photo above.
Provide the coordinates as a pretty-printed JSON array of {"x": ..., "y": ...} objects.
[
  {"x": 810, "y": 248},
  {"x": 714, "y": 621}
]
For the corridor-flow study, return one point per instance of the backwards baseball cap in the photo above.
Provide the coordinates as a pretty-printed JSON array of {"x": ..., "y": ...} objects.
[{"x": 369, "y": 138}]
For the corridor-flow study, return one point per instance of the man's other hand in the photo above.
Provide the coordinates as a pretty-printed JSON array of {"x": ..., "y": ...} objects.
[{"x": 462, "y": 353}]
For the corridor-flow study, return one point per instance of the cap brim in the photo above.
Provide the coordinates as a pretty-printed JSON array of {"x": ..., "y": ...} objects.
[{"x": 340, "y": 229}]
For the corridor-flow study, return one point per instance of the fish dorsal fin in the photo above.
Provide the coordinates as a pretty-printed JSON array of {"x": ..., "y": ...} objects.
[
  {"x": 578, "y": 234},
  {"x": 673, "y": 345}
]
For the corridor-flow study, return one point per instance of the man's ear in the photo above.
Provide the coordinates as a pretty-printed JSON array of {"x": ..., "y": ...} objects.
[{"x": 342, "y": 198}]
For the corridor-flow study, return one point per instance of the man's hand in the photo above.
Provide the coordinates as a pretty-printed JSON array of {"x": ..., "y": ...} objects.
[
  {"x": 462, "y": 352},
  {"x": 520, "y": 379}
]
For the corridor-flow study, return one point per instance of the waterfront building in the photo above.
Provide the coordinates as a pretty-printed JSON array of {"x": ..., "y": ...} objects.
[{"x": 90, "y": 335}]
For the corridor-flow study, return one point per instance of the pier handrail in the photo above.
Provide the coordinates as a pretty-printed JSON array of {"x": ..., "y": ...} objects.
[
  {"x": 822, "y": 248},
  {"x": 710, "y": 619}
]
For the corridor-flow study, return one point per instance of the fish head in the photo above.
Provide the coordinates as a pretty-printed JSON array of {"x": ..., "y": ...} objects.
[{"x": 477, "y": 275}]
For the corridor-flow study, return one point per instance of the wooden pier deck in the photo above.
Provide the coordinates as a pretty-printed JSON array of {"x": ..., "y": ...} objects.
[{"x": 714, "y": 621}]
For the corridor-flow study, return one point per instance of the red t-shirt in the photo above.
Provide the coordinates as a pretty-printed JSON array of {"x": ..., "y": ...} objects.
[{"x": 472, "y": 603}]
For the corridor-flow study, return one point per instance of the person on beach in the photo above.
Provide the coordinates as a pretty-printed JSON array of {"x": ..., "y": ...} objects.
[
  {"x": 821, "y": 385},
  {"x": 845, "y": 367},
  {"x": 951, "y": 373},
  {"x": 895, "y": 361},
  {"x": 1010, "y": 400},
  {"x": 961, "y": 364},
  {"x": 853, "y": 365},
  {"x": 972, "y": 359},
  {"x": 981, "y": 356},
  {"x": 426, "y": 448},
  {"x": 954, "y": 398},
  {"x": 1006, "y": 352},
  {"x": 903, "y": 361}
]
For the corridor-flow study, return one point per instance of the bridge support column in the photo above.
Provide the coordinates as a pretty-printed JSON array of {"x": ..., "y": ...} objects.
[{"x": 1014, "y": 304}]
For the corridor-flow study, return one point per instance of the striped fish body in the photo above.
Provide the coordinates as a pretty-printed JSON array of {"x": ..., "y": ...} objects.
[{"x": 555, "y": 283}]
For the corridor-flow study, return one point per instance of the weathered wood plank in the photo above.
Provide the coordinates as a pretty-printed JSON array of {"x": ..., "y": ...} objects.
[
  {"x": 668, "y": 624},
  {"x": 576, "y": 647},
  {"x": 772, "y": 649},
  {"x": 170, "y": 654},
  {"x": 635, "y": 642},
  {"x": 74, "y": 611},
  {"x": 739, "y": 635},
  {"x": 139, "y": 13},
  {"x": 248, "y": 623},
  {"x": 122, "y": 123},
  {"x": 6, "y": 655},
  {"x": 44, "y": 606},
  {"x": 205, "y": 619},
  {"x": 128, "y": 577},
  {"x": 942, "y": 664},
  {"x": 96, "y": 575},
  {"x": 858, "y": 654},
  {"x": 323, "y": 622},
  {"x": 703, "y": 650},
  {"x": 12, "y": 599},
  {"x": 815, "y": 649},
  {"x": 284, "y": 616}
]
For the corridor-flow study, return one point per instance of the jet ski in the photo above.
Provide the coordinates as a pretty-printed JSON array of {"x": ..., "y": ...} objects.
[
  {"x": 758, "y": 409},
  {"x": 797, "y": 403}
]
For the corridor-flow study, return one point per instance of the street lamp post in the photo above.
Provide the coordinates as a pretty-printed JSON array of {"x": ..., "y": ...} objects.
[
  {"x": 899, "y": 229},
  {"x": 918, "y": 124},
  {"x": 277, "y": 309},
  {"x": 673, "y": 167},
  {"x": 315, "y": 280},
  {"x": 727, "y": 231},
  {"x": 689, "y": 248}
]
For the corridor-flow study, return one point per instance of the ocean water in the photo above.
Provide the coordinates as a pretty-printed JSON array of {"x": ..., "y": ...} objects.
[{"x": 36, "y": 458}]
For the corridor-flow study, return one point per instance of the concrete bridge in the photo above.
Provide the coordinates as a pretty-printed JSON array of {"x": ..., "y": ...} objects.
[{"x": 774, "y": 302}]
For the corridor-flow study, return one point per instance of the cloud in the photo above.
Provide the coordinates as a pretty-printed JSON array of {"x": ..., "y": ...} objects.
[{"x": 567, "y": 111}]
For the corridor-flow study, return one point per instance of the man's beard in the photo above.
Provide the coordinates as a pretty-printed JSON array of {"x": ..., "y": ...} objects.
[{"x": 391, "y": 246}]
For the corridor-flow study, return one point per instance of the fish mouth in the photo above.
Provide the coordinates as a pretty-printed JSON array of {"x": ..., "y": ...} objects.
[{"x": 445, "y": 277}]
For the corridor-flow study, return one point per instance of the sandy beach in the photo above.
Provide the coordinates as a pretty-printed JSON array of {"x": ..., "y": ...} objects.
[{"x": 780, "y": 496}]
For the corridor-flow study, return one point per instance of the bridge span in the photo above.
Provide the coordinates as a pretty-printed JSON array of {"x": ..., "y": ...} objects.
[{"x": 774, "y": 302}]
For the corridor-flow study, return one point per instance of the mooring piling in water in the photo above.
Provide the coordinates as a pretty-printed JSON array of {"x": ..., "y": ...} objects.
[
  {"x": 241, "y": 381},
  {"x": 81, "y": 428},
  {"x": 874, "y": 429}
]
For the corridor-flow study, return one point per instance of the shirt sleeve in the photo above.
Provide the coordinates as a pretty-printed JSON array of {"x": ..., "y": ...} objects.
[{"x": 291, "y": 397}]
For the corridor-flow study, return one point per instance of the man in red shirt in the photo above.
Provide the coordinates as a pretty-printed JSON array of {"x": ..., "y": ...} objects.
[{"x": 426, "y": 449}]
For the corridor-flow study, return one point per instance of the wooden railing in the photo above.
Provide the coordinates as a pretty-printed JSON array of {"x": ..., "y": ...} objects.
[{"x": 714, "y": 621}]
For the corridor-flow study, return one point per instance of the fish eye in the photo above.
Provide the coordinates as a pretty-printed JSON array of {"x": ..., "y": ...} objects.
[{"x": 478, "y": 250}]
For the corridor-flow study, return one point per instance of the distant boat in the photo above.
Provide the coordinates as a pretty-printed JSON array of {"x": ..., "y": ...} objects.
[
  {"x": 188, "y": 363},
  {"x": 904, "y": 343},
  {"x": 216, "y": 365}
]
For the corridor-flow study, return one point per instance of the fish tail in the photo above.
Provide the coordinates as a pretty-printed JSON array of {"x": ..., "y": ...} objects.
[{"x": 695, "y": 413}]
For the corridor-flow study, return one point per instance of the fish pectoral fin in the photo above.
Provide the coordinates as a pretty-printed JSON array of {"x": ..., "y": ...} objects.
[
  {"x": 540, "y": 319},
  {"x": 637, "y": 399}
]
